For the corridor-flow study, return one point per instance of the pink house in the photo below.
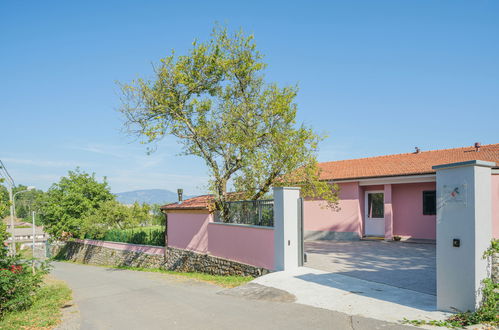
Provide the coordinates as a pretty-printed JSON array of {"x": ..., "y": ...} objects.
[
  {"x": 389, "y": 196},
  {"x": 384, "y": 196}
]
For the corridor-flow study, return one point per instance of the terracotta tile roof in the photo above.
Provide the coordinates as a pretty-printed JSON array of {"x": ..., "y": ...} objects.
[
  {"x": 405, "y": 164},
  {"x": 195, "y": 203}
]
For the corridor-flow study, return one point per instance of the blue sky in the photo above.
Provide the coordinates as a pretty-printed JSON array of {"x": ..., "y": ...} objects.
[{"x": 378, "y": 77}]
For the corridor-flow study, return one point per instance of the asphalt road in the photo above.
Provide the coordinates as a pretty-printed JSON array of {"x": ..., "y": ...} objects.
[{"x": 122, "y": 299}]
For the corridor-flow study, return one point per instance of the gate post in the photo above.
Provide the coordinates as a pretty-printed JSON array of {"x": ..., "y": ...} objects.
[
  {"x": 464, "y": 231},
  {"x": 286, "y": 217}
]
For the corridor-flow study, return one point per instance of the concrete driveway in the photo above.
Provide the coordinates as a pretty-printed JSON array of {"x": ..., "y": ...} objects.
[
  {"x": 121, "y": 299},
  {"x": 404, "y": 265}
]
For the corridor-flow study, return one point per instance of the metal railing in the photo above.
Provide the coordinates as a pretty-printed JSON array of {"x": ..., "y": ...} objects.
[{"x": 255, "y": 213}]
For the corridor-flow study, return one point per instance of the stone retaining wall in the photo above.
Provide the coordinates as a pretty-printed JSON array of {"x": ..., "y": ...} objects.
[
  {"x": 174, "y": 259},
  {"x": 100, "y": 255},
  {"x": 189, "y": 261}
]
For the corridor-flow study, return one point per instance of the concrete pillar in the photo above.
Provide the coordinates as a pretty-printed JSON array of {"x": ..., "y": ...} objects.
[
  {"x": 388, "y": 212},
  {"x": 286, "y": 244},
  {"x": 464, "y": 231}
]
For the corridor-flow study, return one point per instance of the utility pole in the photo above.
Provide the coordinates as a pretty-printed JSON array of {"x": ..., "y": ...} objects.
[
  {"x": 13, "y": 211},
  {"x": 13, "y": 236},
  {"x": 10, "y": 187},
  {"x": 33, "y": 246}
]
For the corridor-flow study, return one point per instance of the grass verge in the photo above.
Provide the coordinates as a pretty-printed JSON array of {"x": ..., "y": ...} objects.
[
  {"x": 227, "y": 281},
  {"x": 45, "y": 313}
]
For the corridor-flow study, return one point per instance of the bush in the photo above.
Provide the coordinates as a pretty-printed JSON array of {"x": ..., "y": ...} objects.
[
  {"x": 45, "y": 313},
  {"x": 18, "y": 283}
]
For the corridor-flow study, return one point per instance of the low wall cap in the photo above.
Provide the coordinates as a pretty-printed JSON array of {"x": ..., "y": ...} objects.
[
  {"x": 287, "y": 188},
  {"x": 482, "y": 163}
]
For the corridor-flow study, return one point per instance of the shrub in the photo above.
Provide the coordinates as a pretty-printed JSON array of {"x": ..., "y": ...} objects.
[
  {"x": 18, "y": 283},
  {"x": 147, "y": 235}
]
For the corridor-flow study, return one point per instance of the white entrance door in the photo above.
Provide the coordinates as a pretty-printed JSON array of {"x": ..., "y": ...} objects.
[{"x": 375, "y": 213}]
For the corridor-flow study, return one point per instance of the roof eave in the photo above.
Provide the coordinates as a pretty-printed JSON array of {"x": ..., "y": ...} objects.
[{"x": 379, "y": 177}]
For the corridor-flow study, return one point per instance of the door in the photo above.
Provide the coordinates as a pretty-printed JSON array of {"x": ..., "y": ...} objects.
[{"x": 375, "y": 213}]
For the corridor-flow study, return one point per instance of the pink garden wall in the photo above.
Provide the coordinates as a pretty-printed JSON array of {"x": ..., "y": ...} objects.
[
  {"x": 249, "y": 245},
  {"x": 246, "y": 244},
  {"x": 188, "y": 231},
  {"x": 147, "y": 249},
  {"x": 495, "y": 206}
]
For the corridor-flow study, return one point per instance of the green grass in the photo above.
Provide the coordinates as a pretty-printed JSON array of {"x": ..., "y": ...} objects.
[
  {"x": 45, "y": 313},
  {"x": 229, "y": 281},
  {"x": 26, "y": 253}
]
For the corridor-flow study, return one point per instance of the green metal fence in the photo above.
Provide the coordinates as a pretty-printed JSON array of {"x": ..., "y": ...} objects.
[{"x": 255, "y": 212}]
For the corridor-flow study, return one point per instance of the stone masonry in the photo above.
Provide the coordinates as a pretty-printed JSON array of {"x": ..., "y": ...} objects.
[
  {"x": 189, "y": 261},
  {"x": 174, "y": 259},
  {"x": 495, "y": 267},
  {"x": 98, "y": 255}
]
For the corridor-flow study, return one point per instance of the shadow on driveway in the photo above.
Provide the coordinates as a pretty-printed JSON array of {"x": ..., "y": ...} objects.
[
  {"x": 409, "y": 266},
  {"x": 373, "y": 290}
]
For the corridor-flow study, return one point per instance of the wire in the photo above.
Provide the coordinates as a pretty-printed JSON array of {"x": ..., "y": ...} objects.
[{"x": 6, "y": 174}]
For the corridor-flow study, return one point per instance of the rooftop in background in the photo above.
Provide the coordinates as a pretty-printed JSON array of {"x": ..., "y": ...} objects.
[
  {"x": 195, "y": 203},
  {"x": 17, "y": 222},
  {"x": 416, "y": 163}
]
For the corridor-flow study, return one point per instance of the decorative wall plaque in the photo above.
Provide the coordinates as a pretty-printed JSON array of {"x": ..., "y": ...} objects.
[{"x": 455, "y": 194}]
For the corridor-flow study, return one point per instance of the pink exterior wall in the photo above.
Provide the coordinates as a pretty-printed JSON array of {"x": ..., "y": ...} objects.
[
  {"x": 403, "y": 211},
  {"x": 125, "y": 246},
  {"x": 317, "y": 217},
  {"x": 407, "y": 205},
  {"x": 249, "y": 245},
  {"x": 495, "y": 206},
  {"x": 188, "y": 231}
]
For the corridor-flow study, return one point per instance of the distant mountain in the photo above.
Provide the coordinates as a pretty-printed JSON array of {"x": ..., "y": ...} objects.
[{"x": 149, "y": 196}]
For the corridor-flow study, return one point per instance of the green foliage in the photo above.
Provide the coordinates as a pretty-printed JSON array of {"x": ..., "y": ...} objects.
[
  {"x": 143, "y": 235},
  {"x": 80, "y": 206},
  {"x": 4, "y": 201},
  {"x": 44, "y": 313},
  {"x": 488, "y": 313},
  {"x": 216, "y": 102},
  {"x": 70, "y": 201},
  {"x": 112, "y": 214},
  {"x": 494, "y": 248},
  {"x": 157, "y": 218},
  {"x": 4, "y": 235},
  {"x": 18, "y": 283},
  {"x": 27, "y": 201}
]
